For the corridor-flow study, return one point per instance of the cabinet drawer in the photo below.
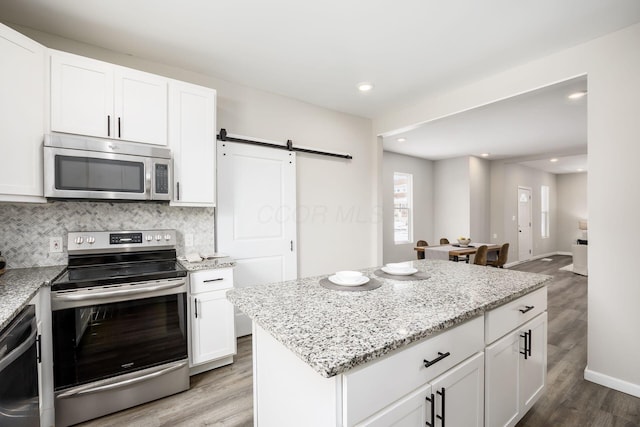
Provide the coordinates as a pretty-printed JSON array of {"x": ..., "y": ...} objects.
[
  {"x": 211, "y": 280},
  {"x": 501, "y": 320},
  {"x": 379, "y": 383}
]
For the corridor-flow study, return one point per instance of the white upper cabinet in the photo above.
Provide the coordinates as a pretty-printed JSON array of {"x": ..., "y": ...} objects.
[
  {"x": 140, "y": 106},
  {"x": 192, "y": 139},
  {"x": 95, "y": 98},
  {"x": 81, "y": 95},
  {"x": 22, "y": 115}
]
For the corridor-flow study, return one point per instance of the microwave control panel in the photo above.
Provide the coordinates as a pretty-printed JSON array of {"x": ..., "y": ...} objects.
[{"x": 162, "y": 178}]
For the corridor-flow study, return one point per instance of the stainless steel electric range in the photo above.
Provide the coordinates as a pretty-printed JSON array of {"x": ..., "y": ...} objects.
[{"x": 119, "y": 323}]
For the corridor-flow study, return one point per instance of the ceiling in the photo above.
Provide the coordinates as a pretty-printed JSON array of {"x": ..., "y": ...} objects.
[
  {"x": 317, "y": 52},
  {"x": 534, "y": 127}
]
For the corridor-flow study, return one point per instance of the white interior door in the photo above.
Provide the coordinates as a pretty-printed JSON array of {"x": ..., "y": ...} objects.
[
  {"x": 256, "y": 222},
  {"x": 525, "y": 242}
]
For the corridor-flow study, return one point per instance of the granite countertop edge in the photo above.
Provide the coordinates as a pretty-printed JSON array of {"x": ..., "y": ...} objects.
[
  {"x": 207, "y": 264},
  {"x": 333, "y": 368},
  {"x": 18, "y": 286}
]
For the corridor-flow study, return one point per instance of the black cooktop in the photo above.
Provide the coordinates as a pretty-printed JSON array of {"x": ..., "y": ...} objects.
[{"x": 102, "y": 270}]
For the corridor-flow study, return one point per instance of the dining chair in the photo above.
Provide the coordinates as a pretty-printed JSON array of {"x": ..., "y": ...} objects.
[
  {"x": 481, "y": 256},
  {"x": 502, "y": 257},
  {"x": 421, "y": 243},
  {"x": 444, "y": 241}
]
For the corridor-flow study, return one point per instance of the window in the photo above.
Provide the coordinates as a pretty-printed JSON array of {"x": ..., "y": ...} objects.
[
  {"x": 544, "y": 208},
  {"x": 402, "y": 204}
]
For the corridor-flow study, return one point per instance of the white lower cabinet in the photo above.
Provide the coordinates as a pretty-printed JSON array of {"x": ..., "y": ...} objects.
[
  {"x": 212, "y": 330},
  {"x": 213, "y": 333},
  {"x": 516, "y": 368},
  {"x": 454, "y": 399}
]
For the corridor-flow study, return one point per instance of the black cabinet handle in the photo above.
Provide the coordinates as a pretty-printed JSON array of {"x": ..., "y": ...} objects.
[
  {"x": 108, "y": 125},
  {"x": 527, "y": 308},
  {"x": 119, "y": 136},
  {"x": 432, "y": 400},
  {"x": 527, "y": 340},
  {"x": 178, "y": 189},
  {"x": 529, "y": 346},
  {"x": 441, "y": 417},
  {"x": 39, "y": 348},
  {"x": 196, "y": 301},
  {"x": 213, "y": 280},
  {"x": 441, "y": 356}
]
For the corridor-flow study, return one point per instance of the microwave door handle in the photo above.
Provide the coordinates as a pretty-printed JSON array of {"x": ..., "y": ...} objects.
[{"x": 148, "y": 182}]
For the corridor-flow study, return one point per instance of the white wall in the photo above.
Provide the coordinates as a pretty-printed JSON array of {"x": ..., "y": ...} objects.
[
  {"x": 612, "y": 64},
  {"x": 422, "y": 171},
  {"x": 505, "y": 180},
  {"x": 572, "y": 206},
  {"x": 480, "y": 198},
  {"x": 336, "y": 198},
  {"x": 452, "y": 199}
]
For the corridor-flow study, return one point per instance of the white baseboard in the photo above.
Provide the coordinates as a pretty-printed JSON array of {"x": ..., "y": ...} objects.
[
  {"x": 564, "y": 253},
  {"x": 611, "y": 382}
]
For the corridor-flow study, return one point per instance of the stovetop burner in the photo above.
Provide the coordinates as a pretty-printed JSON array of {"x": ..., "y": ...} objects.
[{"x": 107, "y": 258}]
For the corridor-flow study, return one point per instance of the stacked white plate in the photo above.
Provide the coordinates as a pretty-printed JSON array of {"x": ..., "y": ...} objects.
[
  {"x": 349, "y": 278},
  {"x": 399, "y": 269}
]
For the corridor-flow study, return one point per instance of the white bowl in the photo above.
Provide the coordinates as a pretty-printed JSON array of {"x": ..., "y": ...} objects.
[
  {"x": 464, "y": 242},
  {"x": 348, "y": 276}
]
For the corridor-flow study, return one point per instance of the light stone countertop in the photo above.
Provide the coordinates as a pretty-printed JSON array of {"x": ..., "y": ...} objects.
[
  {"x": 207, "y": 264},
  {"x": 334, "y": 331},
  {"x": 19, "y": 285}
]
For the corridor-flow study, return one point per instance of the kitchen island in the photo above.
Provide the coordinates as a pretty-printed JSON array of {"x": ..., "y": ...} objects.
[{"x": 326, "y": 357}]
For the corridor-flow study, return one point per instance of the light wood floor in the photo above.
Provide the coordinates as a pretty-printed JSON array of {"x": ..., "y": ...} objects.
[{"x": 223, "y": 397}]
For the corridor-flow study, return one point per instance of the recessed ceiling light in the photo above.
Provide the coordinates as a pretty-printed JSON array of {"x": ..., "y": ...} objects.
[
  {"x": 484, "y": 155},
  {"x": 401, "y": 139},
  {"x": 553, "y": 160},
  {"x": 365, "y": 86},
  {"x": 579, "y": 169},
  {"x": 577, "y": 95}
]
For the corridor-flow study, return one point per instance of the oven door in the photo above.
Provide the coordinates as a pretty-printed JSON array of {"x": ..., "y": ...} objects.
[
  {"x": 70, "y": 173},
  {"x": 107, "y": 331}
]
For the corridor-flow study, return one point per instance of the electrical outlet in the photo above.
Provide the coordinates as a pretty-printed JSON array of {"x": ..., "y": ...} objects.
[
  {"x": 495, "y": 236},
  {"x": 188, "y": 240},
  {"x": 55, "y": 244}
]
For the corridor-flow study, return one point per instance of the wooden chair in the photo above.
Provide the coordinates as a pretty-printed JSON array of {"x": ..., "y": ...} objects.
[
  {"x": 481, "y": 256},
  {"x": 502, "y": 257},
  {"x": 444, "y": 241},
  {"x": 421, "y": 243}
]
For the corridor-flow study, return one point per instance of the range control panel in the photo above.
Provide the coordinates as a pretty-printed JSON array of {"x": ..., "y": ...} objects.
[{"x": 120, "y": 241}]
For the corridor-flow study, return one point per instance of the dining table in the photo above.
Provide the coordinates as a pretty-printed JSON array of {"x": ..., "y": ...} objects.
[{"x": 454, "y": 251}]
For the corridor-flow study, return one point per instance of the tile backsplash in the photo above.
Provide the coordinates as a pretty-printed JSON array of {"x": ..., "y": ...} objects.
[{"x": 25, "y": 229}]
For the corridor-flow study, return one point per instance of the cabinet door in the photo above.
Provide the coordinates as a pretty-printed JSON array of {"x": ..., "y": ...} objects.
[
  {"x": 410, "y": 411},
  {"x": 192, "y": 137},
  {"x": 212, "y": 327},
  {"x": 459, "y": 394},
  {"x": 501, "y": 384},
  {"x": 533, "y": 370},
  {"x": 22, "y": 106},
  {"x": 140, "y": 106},
  {"x": 81, "y": 95}
]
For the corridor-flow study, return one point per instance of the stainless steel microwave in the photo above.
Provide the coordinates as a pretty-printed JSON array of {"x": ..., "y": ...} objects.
[{"x": 94, "y": 168}]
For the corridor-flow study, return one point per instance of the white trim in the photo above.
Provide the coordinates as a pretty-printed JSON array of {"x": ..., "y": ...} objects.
[
  {"x": 564, "y": 253},
  {"x": 611, "y": 382}
]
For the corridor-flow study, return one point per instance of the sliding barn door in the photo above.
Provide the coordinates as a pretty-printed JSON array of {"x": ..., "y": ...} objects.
[{"x": 256, "y": 222}]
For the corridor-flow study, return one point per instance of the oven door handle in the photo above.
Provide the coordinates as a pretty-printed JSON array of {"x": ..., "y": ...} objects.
[
  {"x": 108, "y": 384},
  {"x": 21, "y": 349},
  {"x": 81, "y": 296}
]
